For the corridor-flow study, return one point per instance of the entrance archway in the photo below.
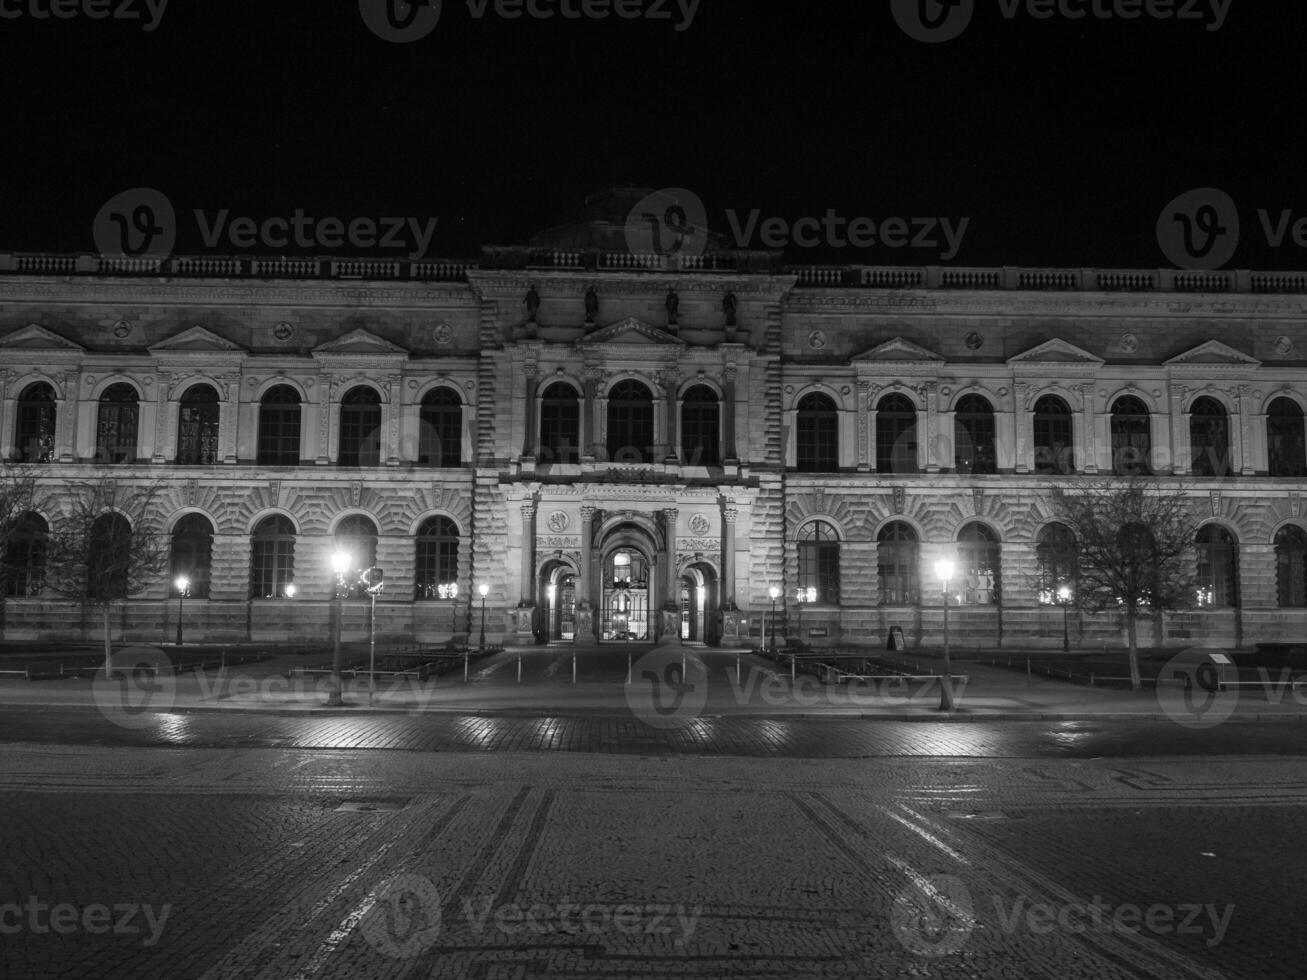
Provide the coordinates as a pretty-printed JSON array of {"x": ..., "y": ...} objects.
[
  {"x": 624, "y": 596},
  {"x": 699, "y": 601},
  {"x": 557, "y": 599}
]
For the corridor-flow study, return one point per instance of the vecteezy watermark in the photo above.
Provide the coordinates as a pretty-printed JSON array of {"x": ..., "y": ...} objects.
[
  {"x": 403, "y": 22},
  {"x": 938, "y": 234},
  {"x": 936, "y": 21},
  {"x": 668, "y": 688},
  {"x": 1200, "y": 230},
  {"x": 65, "y": 919},
  {"x": 1098, "y": 916},
  {"x": 1190, "y": 689},
  {"x": 403, "y": 918},
  {"x": 140, "y": 683},
  {"x": 141, "y": 223},
  {"x": 669, "y": 222},
  {"x": 148, "y": 12},
  {"x": 933, "y": 915}
]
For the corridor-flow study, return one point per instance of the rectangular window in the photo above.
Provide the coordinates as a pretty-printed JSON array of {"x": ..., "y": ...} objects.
[{"x": 819, "y": 570}]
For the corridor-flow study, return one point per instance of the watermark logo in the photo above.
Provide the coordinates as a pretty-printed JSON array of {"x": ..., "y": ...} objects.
[
  {"x": 1190, "y": 691},
  {"x": 399, "y": 21},
  {"x": 1199, "y": 230},
  {"x": 933, "y": 21},
  {"x": 402, "y": 22},
  {"x": 142, "y": 224},
  {"x": 65, "y": 919},
  {"x": 148, "y": 13},
  {"x": 671, "y": 222},
  {"x": 669, "y": 688},
  {"x": 141, "y": 683},
  {"x": 576, "y": 918},
  {"x": 1097, "y": 916},
  {"x": 136, "y": 224},
  {"x": 933, "y": 916},
  {"x": 403, "y": 917},
  {"x": 941, "y": 235}
]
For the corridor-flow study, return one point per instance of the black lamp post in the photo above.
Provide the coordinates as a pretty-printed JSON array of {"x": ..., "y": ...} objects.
[
  {"x": 775, "y": 594},
  {"x": 1064, "y": 600},
  {"x": 183, "y": 584},
  {"x": 340, "y": 563},
  {"x": 944, "y": 569}
]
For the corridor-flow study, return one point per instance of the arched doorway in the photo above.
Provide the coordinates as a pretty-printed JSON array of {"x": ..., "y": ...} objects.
[
  {"x": 624, "y": 596},
  {"x": 699, "y": 603},
  {"x": 557, "y": 602}
]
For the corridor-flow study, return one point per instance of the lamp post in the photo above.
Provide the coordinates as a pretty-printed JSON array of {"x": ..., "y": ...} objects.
[
  {"x": 775, "y": 594},
  {"x": 483, "y": 589},
  {"x": 944, "y": 569},
  {"x": 182, "y": 583},
  {"x": 340, "y": 562},
  {"x": 1064, "y": 599}
]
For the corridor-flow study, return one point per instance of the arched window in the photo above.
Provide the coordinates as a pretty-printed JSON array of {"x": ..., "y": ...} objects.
[
  {"x": 272, "y": 558},
  {"x": 192, "y": 553},
  {"x": 630, "y": 423},
  {"x": 197, "y": 427},
  {"x": 1209, "y": 438},
  {"x": 979, "y": 564},
  {"x": 1054, "y": 443},
  {"x": 973, "y": 435},
  {"x": 896, "y": 565},
  {"x": 116, "y": 423},
  {"x": 1285, "y": 445},
  {"x": 1057, "y": 562},
  {"x": 1138, "y": 549},
  {"x": 560, "y": 424},
  {"x": 817, "y": 436},
  {"x": 34, "y": 435},
  {"x": 896, "y": 435},
  {"x": 109, "y": 558},
  {"x": 1291, "y": 566},
  {"x": 360, "y": 428},
  {"x": 24, "y": 560},
  {"x": 701, "y": 427},
  {"x": 356, "y": 535},
  {"x": 436, "y": 575},
  {"x": 1217, "y": 562},
  {"x": 819, "y": 563},
  {"x": 279, "y": 427},
  {"x": 440, "y": 425},
  {"x": 1132, "y": 440}
]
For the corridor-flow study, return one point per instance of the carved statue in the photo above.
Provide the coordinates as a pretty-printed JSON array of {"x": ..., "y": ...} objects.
[
  {"x": 728, "y": 308},
  {"x": 532, "y": 303},
  {"x": 673, "y": 304},
  {"x": 591, "y": 304}
]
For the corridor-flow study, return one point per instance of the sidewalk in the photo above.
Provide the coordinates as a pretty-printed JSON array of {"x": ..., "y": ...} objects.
[{"x": 988, "y": 694}]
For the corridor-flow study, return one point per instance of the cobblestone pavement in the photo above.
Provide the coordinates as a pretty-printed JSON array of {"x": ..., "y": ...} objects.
[
  {"x": 293, "y": 863},
  {"x": 605, "y": 734}
]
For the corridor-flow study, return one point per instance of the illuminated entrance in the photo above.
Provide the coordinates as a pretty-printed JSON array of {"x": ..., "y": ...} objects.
[
  {"x": 698, "y": 600},
  {"x": 558, "y": 600},
  {"x": 625, "y": 597}
]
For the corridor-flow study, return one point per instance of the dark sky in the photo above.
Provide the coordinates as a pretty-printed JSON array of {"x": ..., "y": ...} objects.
[{"x": 1059, "y": 139}]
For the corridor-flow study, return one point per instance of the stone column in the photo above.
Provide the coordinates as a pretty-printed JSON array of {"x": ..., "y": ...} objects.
[
  {"x": 670, "y": 621},
  {"x": 585, "y": 608},
  {"x": 164, "y": 409},
  {"x": 527, "y": 577},
  {"x": 1179, "y": 432},
  {"x": 229, "y": 417},
  {"x": 1241, "y": 442},
  {"x": 729, "y": 514},
  {"x": 589, "y": 427},
  {"x": 8, "y": 411},
  {"x": 670, "y": 379},
  {"x": 865, "y": 428},
  {"x": 728, "y": 416},
  {"x": 395, "y": 405},
  {"x": 531, "y": 371},
  {"x": 1022, "y": 431},
  {"x": 1086, "y": 447},
  {"x": 928, "y": 454},
  {"x": 67, "y": 408},
  {"x": 326, "y": 386}
]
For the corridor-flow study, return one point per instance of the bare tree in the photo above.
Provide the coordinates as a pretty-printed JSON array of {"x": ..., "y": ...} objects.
[
  {"x": 19, "y": 497},
  {"x": 106, "y": 544},
  {"x": 1134, "y": 542}
]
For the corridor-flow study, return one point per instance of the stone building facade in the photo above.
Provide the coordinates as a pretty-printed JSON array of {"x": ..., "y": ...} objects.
[{"x": 619, "y": 446}]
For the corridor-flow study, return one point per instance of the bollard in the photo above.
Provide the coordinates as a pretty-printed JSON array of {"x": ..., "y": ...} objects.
[
  {"x": 519, "y": 668},
  {"x": 793, "y": 660},
  {"x": 628, "y": 668},
  {"x": 737, "y": 670},
  {"x": 574, "y": 668},
  {"x": 466, "y": 653}
]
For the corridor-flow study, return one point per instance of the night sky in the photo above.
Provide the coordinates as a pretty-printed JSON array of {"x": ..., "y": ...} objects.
[{"x": 1059, "y": 139}]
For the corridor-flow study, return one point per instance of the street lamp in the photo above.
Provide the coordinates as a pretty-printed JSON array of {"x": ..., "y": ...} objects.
[
  {"x": 340, "y": 563},
  {"x": 944, "y": 569},
  {"x": 775, "y": 593},
  {"x": 182, "y": 583},
  {"x": 483, "y": 589},
  {"x": 1064, "y": 599}
]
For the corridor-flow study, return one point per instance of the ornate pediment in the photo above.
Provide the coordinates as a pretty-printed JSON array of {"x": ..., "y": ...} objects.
[
  {"x": 1055, "y": 351},
  {"x": 195, "y": 340},
  {"x": 359, "y": 341},
  {"x": 900, "y": 351},
  {"x": 1213, "y": 354},
  {"x": 632, "y": 330},
  {"x": 36, "y": 337}
]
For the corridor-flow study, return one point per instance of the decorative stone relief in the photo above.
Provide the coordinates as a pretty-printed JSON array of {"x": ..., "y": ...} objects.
[
  {"x": 900, "y": 499},
  {"x": 283, "y": 332},
  {"x": 700, "y": 524},
  {"x": 558, "y": 521}
]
